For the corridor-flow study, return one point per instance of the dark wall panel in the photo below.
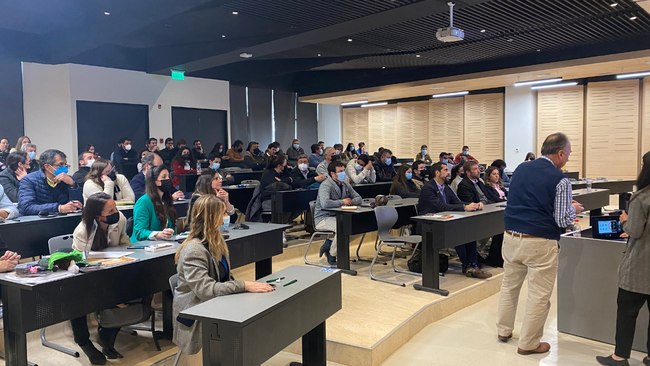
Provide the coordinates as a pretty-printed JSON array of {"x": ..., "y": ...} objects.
[
  {"x": 207, "y": 125},
  {"x": 285, "y": 117},
  {"x": 307, "y": 124},
  {"x": 259, "y": 116},
  {"x": 238, "y": 117},
  {"x": 11, "y": 101},
  {"x": 102, "y": 124}
]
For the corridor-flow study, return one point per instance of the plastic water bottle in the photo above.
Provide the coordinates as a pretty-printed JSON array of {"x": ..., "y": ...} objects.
[
  {"x": 577, "y": 230},
  {"x": 198, "y": 167},
  {"x": 589, "y": 181}
]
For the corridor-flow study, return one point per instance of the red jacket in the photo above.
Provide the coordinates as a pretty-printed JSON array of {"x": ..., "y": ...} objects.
[
  {"x": 468, "y": 157},
  {"x": 180, "y": 170}
]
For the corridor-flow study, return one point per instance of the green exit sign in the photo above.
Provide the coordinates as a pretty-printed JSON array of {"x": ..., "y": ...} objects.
[{"x": 178, "y": 75}]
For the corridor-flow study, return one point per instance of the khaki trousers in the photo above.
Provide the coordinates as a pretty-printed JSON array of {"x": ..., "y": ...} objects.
[{"x": 537, "y": 258}]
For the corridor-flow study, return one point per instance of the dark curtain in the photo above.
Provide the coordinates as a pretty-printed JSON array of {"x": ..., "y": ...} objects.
[
  {"x": 206, "y": 125},
  {"x": 238, "y": 117},
  {"x": 307, "y": 125},
  {"x": 11, "y": 102},
  {"x": 285, "y": 118},
  {"x": 259, "y": 117}
]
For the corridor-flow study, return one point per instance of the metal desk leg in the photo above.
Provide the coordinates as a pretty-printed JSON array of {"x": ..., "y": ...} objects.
[
  {"x": 263, "y": 268},
  {"x": 314, "y": 347},
  {"x": 167, "y": 317},
  {"x": 343, "y": 233},
  {"x": 15, "y": 342},
  {"x": 430, "y": 266}
]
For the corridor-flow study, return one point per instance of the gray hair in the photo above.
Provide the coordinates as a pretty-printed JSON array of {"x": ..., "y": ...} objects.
[
  {"x": 25, "y": 146},
  {"x": 302, "y": 156},
  {"x": 49, "y": 157},
  {"x": 148, "y": 159},
  {"x": 327, "y": 150},
  {"x": 554, "y": 143}
]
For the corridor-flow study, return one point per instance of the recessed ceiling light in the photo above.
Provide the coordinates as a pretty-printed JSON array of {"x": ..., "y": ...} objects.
[
  {"x": 354, "y": 103},
  {"x": 554, "y": 85},
  {"x": 374, "y": 104},
  {"x": 633, "y": 18},
  {"x": 235, "y": 12},
  {"x": 437, "y": 87},
  {"x": 383, "y": 67},
  {"x": 223, "y": 36},
  {"x": 535, "y": 82},
  {"x": 613, "y": 4},
  {"x": 509, "y": 39},
  {"x": 633, "y": 75},
  {"x": 107, "y": 13},
  {"x": 482, "y": 30},
  {"x": 319, "y": 55},
  {"x": 539, "y": 50},
  {"x": 349, "y": 39},
  {"x": 245, "y": 55},
  {"x": 417, "y": 55},
  {"x": 455, "y": 94}
]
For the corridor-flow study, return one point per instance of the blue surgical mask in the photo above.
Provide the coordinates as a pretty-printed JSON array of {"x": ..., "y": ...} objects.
[
  {"x": 341, "y": 176},
  {"x": 424, "y": 152},
  {"x": 220, "y": 151},
  {"x": 215, "y": 166},
  {"x": 296, "y": 146},
  {"x": 388, "y": 161},
  {"x": 32, "y": 155},
  {"x": 63, "y": 169},
  {"x": 465, "y": 152},
  {"x": 445, "y": 161},
  {"x": 226, "y": 222},
  {"x": 357, "y": 166},
  {"x": 409, "y": 176},
  {"x": 320, "y": 151}
]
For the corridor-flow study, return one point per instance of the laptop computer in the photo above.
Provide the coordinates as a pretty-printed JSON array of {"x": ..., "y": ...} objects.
[{"x": 606, "y": 227}]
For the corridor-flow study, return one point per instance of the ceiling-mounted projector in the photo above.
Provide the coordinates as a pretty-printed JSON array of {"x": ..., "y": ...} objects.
[{"x": 450, "y": 34}]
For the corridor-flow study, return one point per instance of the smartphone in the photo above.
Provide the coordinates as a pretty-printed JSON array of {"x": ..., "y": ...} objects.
[{"x": 137, "y": 247}]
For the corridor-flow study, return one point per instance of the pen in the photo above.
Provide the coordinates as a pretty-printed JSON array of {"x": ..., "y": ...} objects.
[
  {"x": 290, "y": 283},
  {"x": 275, "y": 279}
]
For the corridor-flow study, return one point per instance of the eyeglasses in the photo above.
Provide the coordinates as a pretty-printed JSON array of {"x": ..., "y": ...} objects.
[{"x": 60, "y": 165}]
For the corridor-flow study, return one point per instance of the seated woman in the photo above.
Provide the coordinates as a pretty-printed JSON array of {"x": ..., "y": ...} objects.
[
  {"x": 402, "y": 183},
  {"x": 219, "y": 150},
  {"x": 17, "y": 167},
  {"x": 419, "y": 174},
  {"x": 203, "y": 267},
  {"x": 141, "y": 155},
  {"x": 215, "y": 164},
  {"x": 183, "y": 163},
  {"x": 102, "y": 178},
  {"x": 209, "y": 183},
  {"x": 350, "y": 153},
  {"x": 101, "y": 226},
  {"x": 360, "y": 170},
  {"x": 91, "y": 149},
  {"x": 496, "y": 192},
  {"x": 154, "y": 216}
]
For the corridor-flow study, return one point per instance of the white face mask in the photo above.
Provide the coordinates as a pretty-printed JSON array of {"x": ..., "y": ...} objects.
[
  {"x": 90, "y": 163},
  {"x": 338, "y": 152},
  {"x": 127, "y": 147},
  {"x": 303, "y": 167}
]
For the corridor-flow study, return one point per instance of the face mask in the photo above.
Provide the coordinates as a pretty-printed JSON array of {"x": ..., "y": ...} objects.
[
  {"x": 63, "y": 169},
  {"x": 90, "y": 163},
  {"x": 215, "y": 166},
  {"x": 239, "y": 150},
  {"x": 32, "y": 155},
  {"x": 338, "y": 152},
  {"x": 113, "y": 218},
  {"x": 465, "y": 152},
  {"x": 296, "y": 146},
  {"x": 186, "y": 156},
  {"x": 357, "y": 166},
  {"x": 220, "y": 151},
  {"x": 226, "y": 222},
  {"x": 166, "y": 186},
  {"x": 341, "y": 176},
  {"x": 462, "y": 175},
  {"x": 409, "y": 176},
  {"x": 127, "y": 147},
  {"x": 320, "y": 151},
  {"x": 303, "y": 167},
  {"x": 351, "y": 148},
  {"x": 424, "y": 152},
  {"x": 112, "y": 175},
  {"x": 445, "y": 161},
  {"x": 388, "y": 161},
  {"x": 256, "y": 151}
]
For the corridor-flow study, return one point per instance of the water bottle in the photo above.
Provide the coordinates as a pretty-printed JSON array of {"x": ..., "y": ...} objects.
[
  {"x": 198, "y": 167},
  {"x": 588, "y": 184},
  {"x": 577, "y": 230}
]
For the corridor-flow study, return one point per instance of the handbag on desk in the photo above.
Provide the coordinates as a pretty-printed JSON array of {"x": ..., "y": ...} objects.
[{"x": 136, "y": 311}]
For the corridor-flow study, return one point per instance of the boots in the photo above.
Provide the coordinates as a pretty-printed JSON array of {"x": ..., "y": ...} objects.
[
  {"x": 95, "y": 357},
  {"x": 108, "y": 336}
]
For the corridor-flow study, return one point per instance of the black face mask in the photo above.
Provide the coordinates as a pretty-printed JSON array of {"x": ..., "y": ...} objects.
[
  {"x": 462, "y": 175},
  {"x": 256, "y": 151},
  {"x": 186, "y": 156},
  {"x": 113, "y": 218},
  {"x": 239, "y": 150},
  {"x": 112, "y": 175},
  {"x": 166, "y": 186}
]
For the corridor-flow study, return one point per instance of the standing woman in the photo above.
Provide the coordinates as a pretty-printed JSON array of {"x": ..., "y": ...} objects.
[
  {"x": 634, "y": 271},
  {"x": 402, "y": 183},
  {"x": 102, "y": 178},
  {"x": 203, "y": 267},
  {"x": 209, "y": 183},
  {"x": 183, "y": 163},
  {"x": 154, "y": 216},
  {"x": 101, "y": 226}
]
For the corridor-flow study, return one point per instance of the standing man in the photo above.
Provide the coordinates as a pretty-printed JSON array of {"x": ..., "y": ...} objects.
[
  {"x": 465, "y": 156},
  {"x": 294, "y": 152},
  {"x": 540, "y": 206},
  {"x": 123, "y": 154}
]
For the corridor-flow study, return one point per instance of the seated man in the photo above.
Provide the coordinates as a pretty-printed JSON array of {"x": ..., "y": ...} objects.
[
  {"x": 215, "y": 164},
  {"x": 86, "y": 160},
  {"x": 437, "y": 196},
  {"x": 294, "y": 152},
  {"x": 197, "y": 151},
  {"x": 316, "y": 156},
  {"x": 465, "y": 156},
  {"x": 361, "y": 171},
  {"x": 9, "y": 259},
  {"x": 148, "y": 161},
  {"x": 302, "y": 176},
  {"x": 362, "y": 149},
  {"x": 7, "y": 209},
  {"x": 235, "y": 152},
  {"x": 271, "y": 150},
  {"x": 48, "y": 189},
  {"x": 169, "y": 152},
  {"x": 384, "y": 168},
  {"x": 423, "y": 155},
  {"x": 333, "y": 192},
  {"x": 30, "y": 149},
  {"x": 254, "y": 159},
  {"x": 124, "y": 154},
  {"x": 152, "y": 144},
  {"x": 321, "y": 169}
]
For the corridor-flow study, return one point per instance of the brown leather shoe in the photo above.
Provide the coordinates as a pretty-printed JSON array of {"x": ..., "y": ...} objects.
[
  {"x": 504, "y": 339},
  {"x": 477, "y": 273},
  {"x": 542, "y": 348}
]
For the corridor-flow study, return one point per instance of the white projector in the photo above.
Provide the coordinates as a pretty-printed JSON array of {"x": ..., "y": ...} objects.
[{"x": 450, "y": 34}]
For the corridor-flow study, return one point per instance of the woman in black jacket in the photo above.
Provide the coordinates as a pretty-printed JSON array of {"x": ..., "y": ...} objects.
[
  {"x": 494, "y": 189},
  {"x": 403, "y": 185}
]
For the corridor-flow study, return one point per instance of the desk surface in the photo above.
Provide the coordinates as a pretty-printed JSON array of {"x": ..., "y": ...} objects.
[
  {"x": 245, "y": 307},
  {"x": 254, "y": 229},
  {"x": 394, "y": 203},
  {"x": 459, "y": 215}
]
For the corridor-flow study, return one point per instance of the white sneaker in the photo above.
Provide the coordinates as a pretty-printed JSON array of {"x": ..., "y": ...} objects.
[{"x": 284, "y": 238}]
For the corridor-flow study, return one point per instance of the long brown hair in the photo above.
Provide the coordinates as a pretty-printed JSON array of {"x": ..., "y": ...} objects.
[
  {"x": 97, "y": 170},
  {"x": 164, "y": 207},
  {"x": 203, "y": 185},
  {"x": 207, "y": 216},
  {"x": 20, "y": 142},
  {"x": 93, "y": 207},
  {"x": 488, "y": 172},
  {"x": 400, "y": 178}
]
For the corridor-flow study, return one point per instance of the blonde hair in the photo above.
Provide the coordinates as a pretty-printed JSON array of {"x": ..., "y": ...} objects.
[{"x": 207, "y": 216}]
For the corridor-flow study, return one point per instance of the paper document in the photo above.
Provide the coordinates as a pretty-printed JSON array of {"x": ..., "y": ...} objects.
[{"x": 108, "y": 255}]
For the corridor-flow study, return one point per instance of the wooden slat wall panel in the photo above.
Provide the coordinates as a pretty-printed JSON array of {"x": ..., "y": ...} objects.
[
  {"x": 446, "y": 125},
  {"x": 413, "y": 131},
  {"x": 612, "y": 129},
  {"x": 646, "y": 117},
  {"x": 382, "y": 126},
  {"x": 355, "y": 126},
  {"x": 484, "y": 126},
  {"x": 562, "y": 110}
]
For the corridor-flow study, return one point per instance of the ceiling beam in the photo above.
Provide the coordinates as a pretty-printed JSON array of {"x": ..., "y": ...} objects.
[{"x": 389, "y": 17}]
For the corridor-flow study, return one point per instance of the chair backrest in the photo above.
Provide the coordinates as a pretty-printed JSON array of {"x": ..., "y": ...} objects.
[
  {"x": 129, "y": 226},
  {"x": 386, "y": 219},
  {"x": 312, "y": 209},
  {"x": 393, "y": 197},
  {"x": 59, "y": 242},
  {"x": 173, "y": 282},
  {"x": 251, "y": 182},
  {"x": 232, "y": 169}
]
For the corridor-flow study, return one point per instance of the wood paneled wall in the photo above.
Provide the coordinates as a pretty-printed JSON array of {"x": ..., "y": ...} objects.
[
  {"x": 446, "y": 125},
  {"x": 612, "y": 129},
  {"x": 413, "y": 128},
  {"x": 355, "y": 126},
  {"x": 484, "y": 126},
  {"x": 645, "y": 146},
  {"x": 382, "y": 126},
  {"x": 562, "y": 110}
]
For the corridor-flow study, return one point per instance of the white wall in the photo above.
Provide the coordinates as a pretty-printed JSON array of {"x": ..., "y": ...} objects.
[
  {"x": 329, "y": 124},
  {"x": 520, "y": 124},
  {"x": 50, "y": 94}
]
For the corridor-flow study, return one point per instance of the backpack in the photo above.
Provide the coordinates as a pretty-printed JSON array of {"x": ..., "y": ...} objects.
[{"x": 415, "y": 262}]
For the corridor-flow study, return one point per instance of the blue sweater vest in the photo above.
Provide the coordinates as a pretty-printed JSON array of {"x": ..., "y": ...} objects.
[{"x": 531, "y": 200}]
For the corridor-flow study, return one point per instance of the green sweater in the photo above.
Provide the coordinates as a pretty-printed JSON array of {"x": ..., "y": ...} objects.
[{"x": 145, "y": 220}]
